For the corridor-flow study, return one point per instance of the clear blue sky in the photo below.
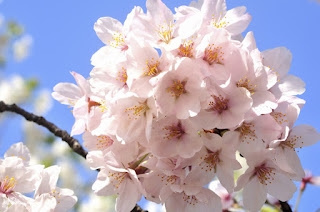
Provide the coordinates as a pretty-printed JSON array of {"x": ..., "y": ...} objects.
[{"x": 64, "y": 41}]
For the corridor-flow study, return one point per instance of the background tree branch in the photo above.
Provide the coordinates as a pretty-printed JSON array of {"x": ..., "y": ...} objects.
[
  {"x": 64, "y": 135},
  {"x": 285, "y": 207}
]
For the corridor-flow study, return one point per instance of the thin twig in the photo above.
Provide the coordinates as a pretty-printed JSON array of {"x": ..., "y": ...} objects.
[{"x": 64, "y": 135}]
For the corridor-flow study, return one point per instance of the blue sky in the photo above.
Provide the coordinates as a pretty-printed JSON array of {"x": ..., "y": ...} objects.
[{"x": 64, "y": 41}]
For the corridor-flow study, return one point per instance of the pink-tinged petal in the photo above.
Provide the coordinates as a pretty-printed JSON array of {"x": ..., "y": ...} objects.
[
  {"x": 122, "y": 154},
  {"x": 129, "y": 23},
  {"x": 105, "y": 28},
  {"x": 225, "y": 176},
  {"x": 29, "y": 179},
  {"x": 249, "y": 42},
  {"x": 189, "y": 21},
  {"x": 278, "y": 59},
  {"x": 281, "y": 187},
  {"x": 290, "y": 85},
  {"x": 267, "y": 128},
  {"x": 103, "y": 185},
  {"x": 244, "y": 179},
  {"x": 254, "y": 195},
  {"x": 17, "y": 207},
  {"x": 67, "y": 93},
  {"x": 153, "y": 184},
  {"x": 49, "y": 179},
  {"x": 128, "y": 198},
  {"x": 95, "y": 159},
  {"x": 45, "y": 203},
  {"x": 78, "y": 127},
  {"x": 315, "y": 180},
  {"x": 213, "y": 7},
  {"x": 237, "y": 20},
  {"x": 303, "y": 135},
  {"x": 288, "y": 161},
  {"x": 175, "y": 202},
  {"x": 4, "y": 201},
  {"x": 66, "y": 199},
  {"x": 18, "y": 197},
  {"x": 19, "y": 150},
  {"x": 263, "y": 102},
  {"x": 189, "y": 147},
  {"x": 82, "y": 82},
  {"x": 159, "y": 11},
  {"x": 107, "y": 56}
]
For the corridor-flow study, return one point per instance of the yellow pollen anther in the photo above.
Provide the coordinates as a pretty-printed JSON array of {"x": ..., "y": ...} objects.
[
  {"x": 122, "y": 75},
  {"x": 279, "y": 117},
  {"x": 152, "y": 68},
  {"x": 219, "y": 22},
  {"x": 213, "y": 55},
  {"x": 219, "y": 104},
  {"x": 185, "y": 49},
  {"x": 136, "y": 111},
  {"x": 177, "y": 88},
  {"x": 103, "y": 142},
  {"x": 165, "y": 32},
  {"x": 174, "y": 131},
  {"x": 211, "y": 159},
  {"x": 190, "y": 199},
  {"x": 247, "y": 132},
  {"x": 7, "y": 185},
  {"x": 118, "y": 41},
  {"x": 264, "y": 174},
  {"x": 245, "y": 83},
  {"x": 291, "y": 142}
]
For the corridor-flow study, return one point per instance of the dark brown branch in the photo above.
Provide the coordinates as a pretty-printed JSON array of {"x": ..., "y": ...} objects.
[
  {"x": 138, "y": 209},
  {"x": 285, "y": 207},
  {"x": 64, "y": 135}
]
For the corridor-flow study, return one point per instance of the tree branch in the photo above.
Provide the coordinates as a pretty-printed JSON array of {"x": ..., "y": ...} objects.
[
  {"x": 285, "y": 207},
  {"x": 64, "y": 135}
]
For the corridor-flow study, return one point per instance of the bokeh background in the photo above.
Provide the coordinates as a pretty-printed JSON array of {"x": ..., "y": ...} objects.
[{"x": 63, "y": 40}]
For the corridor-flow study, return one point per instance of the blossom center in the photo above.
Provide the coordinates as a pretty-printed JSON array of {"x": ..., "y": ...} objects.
[
  {"x": 291, "y": 142},
  {"x": 219, "y": 104},
  {"x": 169, "y": 179},
  {"x": 264, "y": 174},
  {"x": 245, "y": 83},
  {"x": 177, "y": 88},
  {"x": 56, "y": 195},
  {"x": 103, "y": 142},
  {"x": 219, "y": 22},
  {"x": 165, "y": 32},
  {"x": 136, "y": 111},
  {"x": 7, "y": 185},
  {"x": 174, "y": 131},
  {"x": 152, "y": 69},
  {"x": 211, "y": 159},
  {"x": 279, "y": 117},
  {"x": 118, "y": 41},
  {"x": 190, "y": 199},
  {"x": 247, "y": 132},
  {"x": 213, "y": 55},
  {"x": 116, "y": 178},
  {"x": 122, "y": 75},
  {"x": 185, "y": 49}
]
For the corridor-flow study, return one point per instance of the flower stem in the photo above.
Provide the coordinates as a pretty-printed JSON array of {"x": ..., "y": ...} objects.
[{"x": 298, "y": 200}]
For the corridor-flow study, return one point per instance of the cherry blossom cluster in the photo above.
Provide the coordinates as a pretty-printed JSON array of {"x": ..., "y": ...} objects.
[
  {"x": 171, "y": 100},
  {"x": 18, "y": 177}
]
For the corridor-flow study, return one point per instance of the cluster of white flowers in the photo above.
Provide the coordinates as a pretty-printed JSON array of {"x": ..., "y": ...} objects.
[
  {"x": 18, "y": 177},
  {"x": 171, "y": 100}
]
